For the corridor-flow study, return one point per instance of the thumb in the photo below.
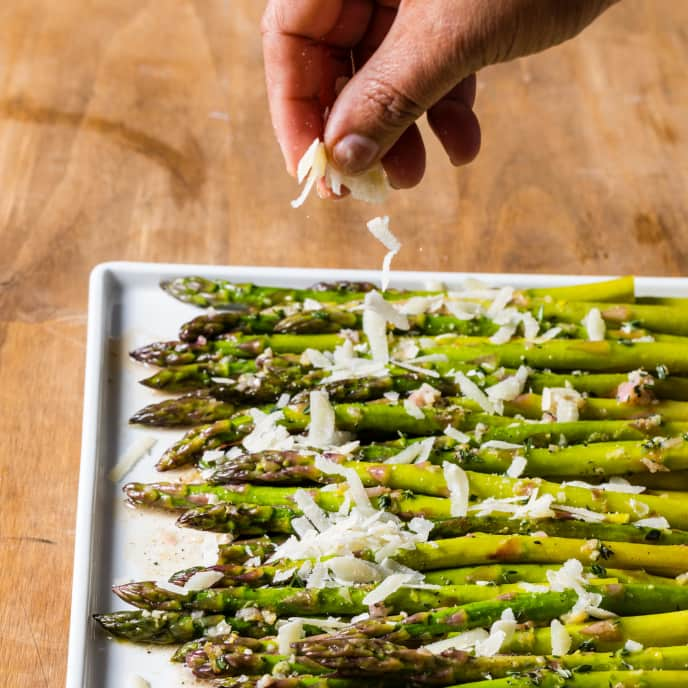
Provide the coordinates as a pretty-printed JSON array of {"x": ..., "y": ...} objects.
[{"x": 414, "y": 67}]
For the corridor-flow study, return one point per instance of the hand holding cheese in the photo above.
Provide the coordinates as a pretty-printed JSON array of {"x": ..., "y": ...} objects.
[{"x": 410, "y": 58}]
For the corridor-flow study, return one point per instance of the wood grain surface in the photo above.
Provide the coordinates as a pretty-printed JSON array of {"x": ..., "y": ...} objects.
[{"x": 138, "y": 130}]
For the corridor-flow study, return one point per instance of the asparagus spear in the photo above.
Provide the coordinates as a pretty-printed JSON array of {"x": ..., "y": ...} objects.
[
  {"x": 221, "y": 293},
  {"x": 594, "y": 460},
  {"x": 164, "y": 628},
  {"x": 668, "y": 318},
  {"x": 429, "y": 480},
  {"x": 324, "y": 320},
  {"x": 597, "y": 679},
  {"x": 483, "y": 548},
  {"x": 300, "y": 682},
  {"x": 384, "y": 418},
  {"x": 347, "y": 601},
  {"x": 500, "y": 574},
  {"x": 560, "y": 355},
  {"x": 226, "y": 643},
  {"x": 236, "y": 575},
  {"x": 609, "y": 635},
  {"x": 387, "y": 419},
  {"x": 206, "y": 664},
  {"x": 367, "y": 657},
  {"x": 341, "y": 601},
  {"x": 201, "y": 408},
  {"x": 474, "y": 549},
  {"x": 220, "y": 518}
]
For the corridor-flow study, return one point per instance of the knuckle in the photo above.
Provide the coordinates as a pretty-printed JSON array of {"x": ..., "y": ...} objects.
[{"x": 395, "y": 107}]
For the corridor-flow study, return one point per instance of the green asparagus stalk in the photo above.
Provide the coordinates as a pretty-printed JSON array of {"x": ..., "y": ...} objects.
[
  {"x": 390, "y": 418},
  {"x": 670, "y": 319},
  {"x": 203, "y": 292},
  {"x": 429, "y": 480},
  {"x": 609, "y": 635},
  {"x": 501, "y": 574},
  {"x": 236, "y": 575},
  {"x": 348, "y": 601},
  {"x": 207, "y": 664},
  {"x": 379, "y": 417},
  {"x": 484, "y": 548},
  {"x": 597, "y": 679},
  {"x": 304, "y": 681},
  {"x": 201, "y": 408},
  {"x": 162, "y": 629},
  {"x": 462, "y": 551},
  {"x": 322, "y": 321},
  {"x": 341, "y": 601},
  {"x": 221, "y": 294},
  {"x": 560, "y": 355},
  {"x": 220, "y": 518},
  {"x": 170, "y": 628},
  {"x": 594, "y": 460},
  {"x": 365, "y": 657}
]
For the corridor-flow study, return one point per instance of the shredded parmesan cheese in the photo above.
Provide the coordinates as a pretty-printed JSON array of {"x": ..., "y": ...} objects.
[
  {"x": 417, "y": 452},
  {"x": 457, "y": 435},
  {"x": 388, "y": 587},
  {"x": 202, "y": 580},
  {"x": 633, "y": 646},
  {"x": 321, "y": 431},
  {"x": 509, "y": 388},
  {"x": 387, "y": 310},
  {"x": 459, "y": 490},
  {"x": 379, "y": 228},
  {"x": 595, "y": 325},
  {"x": 658, "y": 523},
  {"x": 291, "y": 632},
  {"x": 136, "y": 451},
  {"x": 560, "y": 638},
  {"x": 413, "y": 410},
  {"x": 462, "y": 641},
  {"x": 471, "y": 391},
  {"x": 518, "y": 465}
]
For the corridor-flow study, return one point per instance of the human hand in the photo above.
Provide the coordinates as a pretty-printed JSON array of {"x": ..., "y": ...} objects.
[{"x": 410, "y": 57}]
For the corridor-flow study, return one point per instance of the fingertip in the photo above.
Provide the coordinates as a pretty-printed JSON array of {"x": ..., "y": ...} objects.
[
  {"x": 405, "y": 161},
  {"x": 458, "y": 129}
]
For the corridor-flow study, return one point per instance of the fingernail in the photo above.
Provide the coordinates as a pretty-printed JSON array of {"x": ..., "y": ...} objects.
[{"x": 355, "y": 153}]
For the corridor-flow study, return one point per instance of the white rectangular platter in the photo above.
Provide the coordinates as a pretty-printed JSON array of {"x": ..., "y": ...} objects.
[{"x": 115, "y": 544}]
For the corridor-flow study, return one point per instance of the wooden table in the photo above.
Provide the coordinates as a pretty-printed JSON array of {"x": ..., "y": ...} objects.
[{"x": 137, "y": 130}]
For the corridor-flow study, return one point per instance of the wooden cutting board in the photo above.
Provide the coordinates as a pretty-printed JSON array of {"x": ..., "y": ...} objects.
[{"x": 139, "y": 131}]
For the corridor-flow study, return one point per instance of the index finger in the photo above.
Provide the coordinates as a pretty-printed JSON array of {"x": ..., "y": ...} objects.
[{"x": 306, "y": 46}]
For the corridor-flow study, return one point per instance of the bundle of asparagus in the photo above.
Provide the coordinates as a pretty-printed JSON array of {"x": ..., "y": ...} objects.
[{"x": 485, "y": 486}]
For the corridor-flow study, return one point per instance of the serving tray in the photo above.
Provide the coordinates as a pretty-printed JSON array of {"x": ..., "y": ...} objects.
[{"x": 115, "y": 544}]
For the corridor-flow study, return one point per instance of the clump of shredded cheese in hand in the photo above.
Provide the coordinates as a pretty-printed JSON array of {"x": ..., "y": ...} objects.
[{"x": 372, "y": 186}]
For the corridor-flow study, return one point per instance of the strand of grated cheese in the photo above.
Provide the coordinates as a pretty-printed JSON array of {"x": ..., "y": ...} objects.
[
  {"x": 136, "y": 451},
  {"x": 459, "y": 489},
  {"x": 471, "y": 391},
  {"x": 595, "y": 325},
  {"x": 379, "y": 228},
  {"x": 560, "y": 639},
  {"x": 321, "y": 430}
]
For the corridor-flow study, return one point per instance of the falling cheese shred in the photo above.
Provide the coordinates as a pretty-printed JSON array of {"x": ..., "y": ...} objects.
[{"x": 379, "y": 228}]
